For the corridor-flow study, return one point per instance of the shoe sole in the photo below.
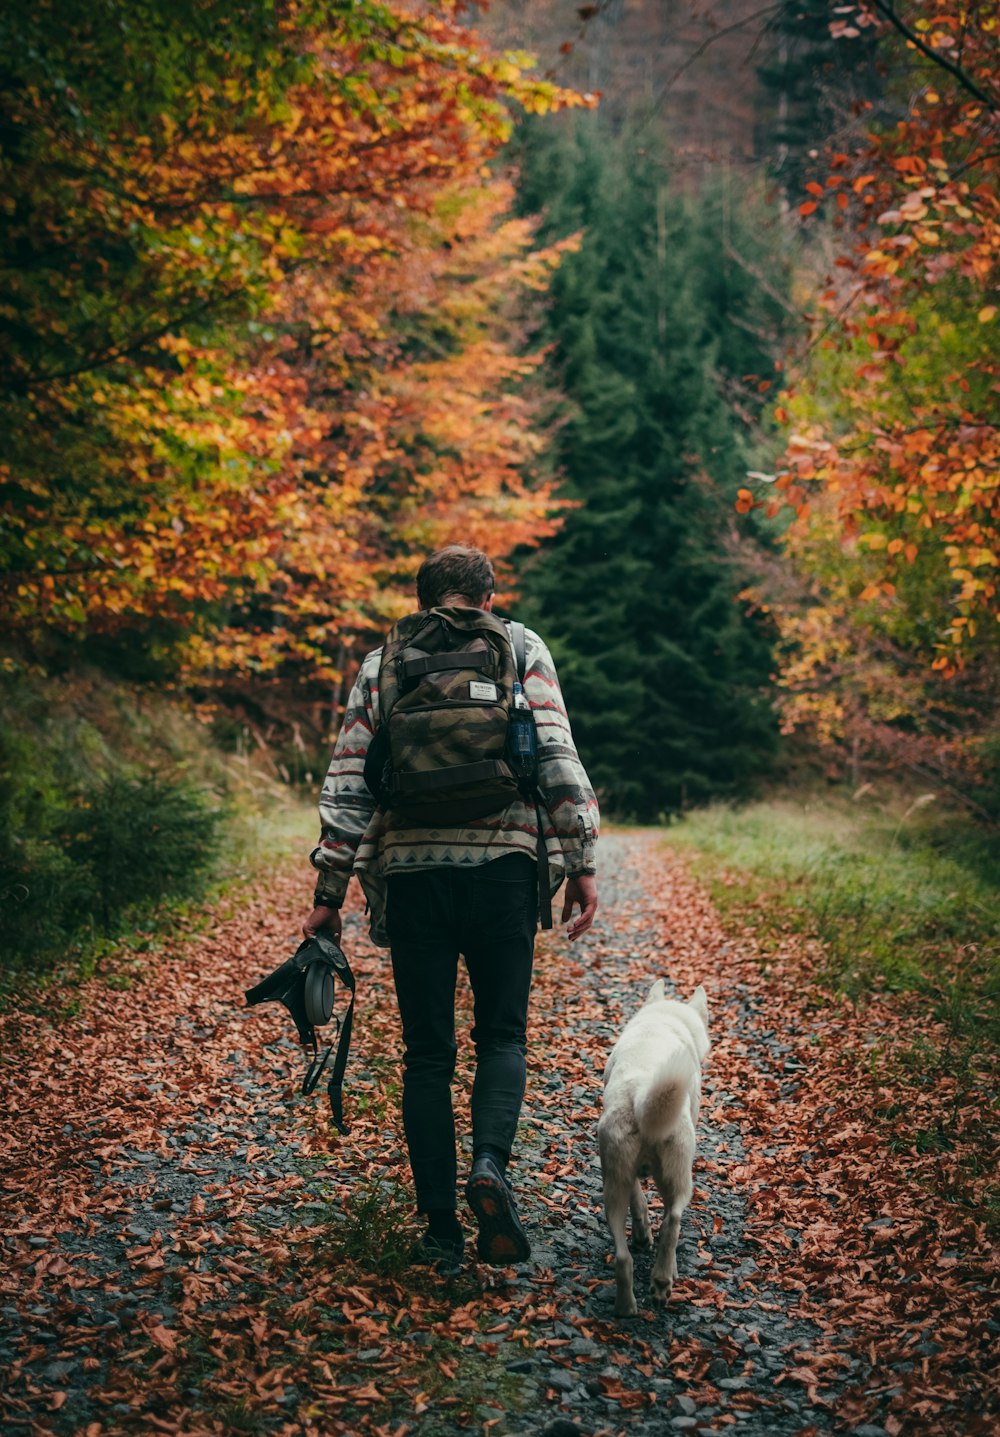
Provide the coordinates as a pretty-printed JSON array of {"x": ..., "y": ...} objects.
[{"x": 502, "y": 1239}]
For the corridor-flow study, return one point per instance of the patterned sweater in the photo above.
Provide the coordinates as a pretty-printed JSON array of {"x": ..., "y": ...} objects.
[{"x": 360, "y": 838}]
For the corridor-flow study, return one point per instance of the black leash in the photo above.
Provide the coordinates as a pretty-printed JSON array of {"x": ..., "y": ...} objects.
[
  {"x": 300, "y": 985},
  {"x": 335, "y": 1087}
]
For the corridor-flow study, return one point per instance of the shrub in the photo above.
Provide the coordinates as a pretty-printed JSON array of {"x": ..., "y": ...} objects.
[
  {"x": 140, "y": 839},
  {"x": 40, "y": 892},
  {"x": 73, "y": 859}
]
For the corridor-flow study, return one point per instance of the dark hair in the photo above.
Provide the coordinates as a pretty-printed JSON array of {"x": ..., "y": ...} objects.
[{"x": 454, "y": 570}]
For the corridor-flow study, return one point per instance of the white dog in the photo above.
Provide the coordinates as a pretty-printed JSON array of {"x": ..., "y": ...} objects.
[{"x": 652, "y": 1093}]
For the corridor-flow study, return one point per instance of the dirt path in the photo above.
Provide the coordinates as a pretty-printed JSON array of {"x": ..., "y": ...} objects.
[{"x": 190, "y": 1248}]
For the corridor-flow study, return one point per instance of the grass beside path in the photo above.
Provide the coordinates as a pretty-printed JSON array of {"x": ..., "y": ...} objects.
[
  {"x": 874, "y": 896},
  {"x": 900, "y": 898}
]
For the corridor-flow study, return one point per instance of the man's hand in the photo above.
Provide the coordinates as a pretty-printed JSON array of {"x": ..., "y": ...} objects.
[
  {"x": 581, "y": 892},
  {"x": 323, "y": 917}
]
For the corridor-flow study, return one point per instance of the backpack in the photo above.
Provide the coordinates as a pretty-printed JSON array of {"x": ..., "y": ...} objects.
[{"x": 441, "y": 753}]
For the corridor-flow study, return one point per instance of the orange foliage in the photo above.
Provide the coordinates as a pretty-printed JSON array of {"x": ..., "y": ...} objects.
[
  {"x": 307, "y": 372},
  {"x": 895, "y": 443}
]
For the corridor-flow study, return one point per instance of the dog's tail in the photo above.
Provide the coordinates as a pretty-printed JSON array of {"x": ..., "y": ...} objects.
[{"x": 660, "y": 1106}]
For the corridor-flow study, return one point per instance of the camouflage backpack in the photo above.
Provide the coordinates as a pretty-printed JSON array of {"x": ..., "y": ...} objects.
[{"x": 446, "y": 689}]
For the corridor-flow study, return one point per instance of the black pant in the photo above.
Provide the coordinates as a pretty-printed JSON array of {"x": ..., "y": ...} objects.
[{"x": 486, "y": 913}]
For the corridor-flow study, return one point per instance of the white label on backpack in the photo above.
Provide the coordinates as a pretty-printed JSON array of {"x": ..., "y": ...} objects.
[{"x": 480, "y": 690}]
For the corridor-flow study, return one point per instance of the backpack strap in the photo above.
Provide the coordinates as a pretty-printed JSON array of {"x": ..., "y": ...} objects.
[
  {"x": 544, "y": 896},
  {"x": 412, "y": 783},
  {"x": 439, "y": 663},
  {"x": 516, "y": 632}
]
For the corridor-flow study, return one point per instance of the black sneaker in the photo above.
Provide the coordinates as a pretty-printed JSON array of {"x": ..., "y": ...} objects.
[
  {"x": 444, "y": 1255},
  {"x": 502, "y": 1239}
]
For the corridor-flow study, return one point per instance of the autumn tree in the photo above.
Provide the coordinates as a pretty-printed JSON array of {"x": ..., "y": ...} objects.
[
  {"x": 252, "y": 274},
  {"x": 893, "y": 425}
]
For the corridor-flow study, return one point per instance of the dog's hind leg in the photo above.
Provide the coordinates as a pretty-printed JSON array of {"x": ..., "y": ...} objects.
[
  {"x": 615, "y": 1209},
  {"x": 675, "y": 1185},
  {"x": 642, "y": 1232},
  {"x": 661, "y": 1282},
  {"x": 618, "y": 1152}
]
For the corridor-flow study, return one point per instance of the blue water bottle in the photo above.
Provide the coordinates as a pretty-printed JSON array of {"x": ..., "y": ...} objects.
[{"x": 522, "y": 740}]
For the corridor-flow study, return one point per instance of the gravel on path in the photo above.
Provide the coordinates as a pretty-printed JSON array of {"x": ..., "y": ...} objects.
[{"x": 189, "y": 1248}]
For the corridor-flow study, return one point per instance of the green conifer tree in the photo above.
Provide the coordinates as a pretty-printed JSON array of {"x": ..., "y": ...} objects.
[{"x": 664, "y": 674}]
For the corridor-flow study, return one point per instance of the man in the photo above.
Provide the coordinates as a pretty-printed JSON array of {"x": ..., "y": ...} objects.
[{"x": 470, "y": 889}]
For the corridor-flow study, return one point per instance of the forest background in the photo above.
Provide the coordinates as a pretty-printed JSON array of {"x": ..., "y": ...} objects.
[{"x": 686, "y": 313}]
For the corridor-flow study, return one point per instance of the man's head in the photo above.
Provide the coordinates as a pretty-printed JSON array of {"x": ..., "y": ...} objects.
[{"x": 456, "y": 575}]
